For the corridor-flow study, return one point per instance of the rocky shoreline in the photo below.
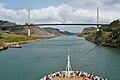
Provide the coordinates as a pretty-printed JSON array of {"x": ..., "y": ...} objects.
[
  {"x": 3, "y": 48},
  {"x": 103, "y": 41},
  {"x": 108, "y": 35}
]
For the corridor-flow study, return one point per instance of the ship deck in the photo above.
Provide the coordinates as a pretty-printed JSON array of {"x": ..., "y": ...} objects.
[
  {"x": 71, "y": 75},
  {"x": 71, "y": 78},
  {"x": 74, "y": 75}
]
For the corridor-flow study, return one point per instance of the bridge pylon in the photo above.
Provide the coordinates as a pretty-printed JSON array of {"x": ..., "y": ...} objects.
[
  {"x": 97, "y": 18},
  {"x": 29, "y": 23}
]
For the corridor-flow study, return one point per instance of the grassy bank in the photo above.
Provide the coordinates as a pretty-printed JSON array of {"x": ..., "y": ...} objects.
[
  {"x": 7, "y": 39},
  {"x": 15, "y": 38},
  {"x": 11, "y": 38}
]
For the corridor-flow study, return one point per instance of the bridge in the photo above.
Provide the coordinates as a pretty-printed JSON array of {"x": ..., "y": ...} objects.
[
  {"x": 56, "y": 24},
  {"x": 48, "y": 24}
]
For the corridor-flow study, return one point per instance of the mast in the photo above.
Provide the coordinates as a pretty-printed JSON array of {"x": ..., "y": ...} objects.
[
  {"x": 68, "y": 67},
  {"x": 28, "y": 22}
]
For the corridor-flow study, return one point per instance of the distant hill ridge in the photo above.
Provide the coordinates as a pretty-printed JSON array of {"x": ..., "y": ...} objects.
[
  {"x": 6, "y": 23},
  {"x": 49, "y": 29}
]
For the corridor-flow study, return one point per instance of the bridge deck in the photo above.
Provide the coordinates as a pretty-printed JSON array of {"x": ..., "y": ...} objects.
[
  {"x": 70, "y": 24},
  {"x": 47, "y": 24}
]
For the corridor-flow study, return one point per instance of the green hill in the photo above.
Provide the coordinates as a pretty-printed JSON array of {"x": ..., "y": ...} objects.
[
  {"x": 107, "y": 35},
  {"x": 6, "y": 23}
]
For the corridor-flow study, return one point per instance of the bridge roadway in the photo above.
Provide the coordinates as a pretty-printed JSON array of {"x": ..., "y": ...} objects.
[
  {"x": 45, "y": 24},
  {"x": 48, "y": 24}
]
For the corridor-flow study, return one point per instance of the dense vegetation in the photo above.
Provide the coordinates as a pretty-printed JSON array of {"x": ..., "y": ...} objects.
[
  {"x": 108, "y": 35},
  {"x": 4, "y": 23}
]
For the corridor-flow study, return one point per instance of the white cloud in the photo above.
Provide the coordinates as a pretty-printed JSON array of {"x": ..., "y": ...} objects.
[
  {"x": 85, "y": 12},
  {"x": 51, "y": 14},
  {"x": 61, "y": 13},
  {"x": 117, "y": 5}
]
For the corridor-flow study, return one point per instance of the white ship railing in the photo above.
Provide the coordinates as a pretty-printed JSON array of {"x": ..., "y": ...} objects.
[{"x": 72, "y": 74}]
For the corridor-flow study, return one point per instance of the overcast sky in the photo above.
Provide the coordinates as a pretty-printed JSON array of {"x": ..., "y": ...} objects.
[{"x": 60, "y": 11}]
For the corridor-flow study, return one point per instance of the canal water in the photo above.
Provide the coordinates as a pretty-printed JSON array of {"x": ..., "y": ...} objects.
[{"x": 34, "y": 60}]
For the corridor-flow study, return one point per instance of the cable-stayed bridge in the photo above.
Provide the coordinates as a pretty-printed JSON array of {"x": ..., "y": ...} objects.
[
  {"x": 52, "y": 24},
  {"x": 58, "y": 24}
]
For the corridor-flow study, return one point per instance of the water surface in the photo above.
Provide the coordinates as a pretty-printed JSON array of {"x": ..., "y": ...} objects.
[{"x": 34, "y": 60}]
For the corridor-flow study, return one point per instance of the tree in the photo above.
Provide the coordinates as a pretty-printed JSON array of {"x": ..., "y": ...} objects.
[
  {"x": 115, "y": 23},
  {"x": 1, "y": 35}
]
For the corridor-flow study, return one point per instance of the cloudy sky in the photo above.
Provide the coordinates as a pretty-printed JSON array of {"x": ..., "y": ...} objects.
[{"x": 60, "y": 11}]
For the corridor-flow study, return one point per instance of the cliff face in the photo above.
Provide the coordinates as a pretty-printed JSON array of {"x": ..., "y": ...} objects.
[
  {"x": 107, "y": 35},
  {"x": 53, "y": 31},
  {"x": 87, "y": 31},
  {"x": 35, "y": 31}
]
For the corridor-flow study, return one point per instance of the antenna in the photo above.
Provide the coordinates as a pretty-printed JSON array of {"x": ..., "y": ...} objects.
[
  {"x": 68, "y": 67},
  {"x": 28, "y": 22}
]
